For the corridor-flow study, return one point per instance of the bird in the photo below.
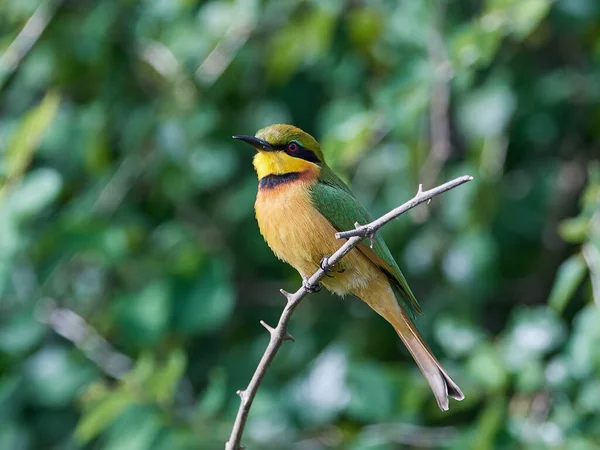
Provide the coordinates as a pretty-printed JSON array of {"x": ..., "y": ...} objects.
[{"x": 300, "y": 205}]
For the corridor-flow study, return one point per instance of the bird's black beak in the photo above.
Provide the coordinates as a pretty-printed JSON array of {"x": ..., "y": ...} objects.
[{"x": 257, "y": 143}]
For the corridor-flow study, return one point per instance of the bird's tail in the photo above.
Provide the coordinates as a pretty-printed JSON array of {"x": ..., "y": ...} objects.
[
  {"x": 441, "y": 384},
  {"x": 380, "y": 297}
]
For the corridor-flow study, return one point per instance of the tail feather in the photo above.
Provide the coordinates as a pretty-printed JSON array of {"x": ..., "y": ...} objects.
[
  {"x": 380, "y": 296},
  {"x": 441, "y": 384}
]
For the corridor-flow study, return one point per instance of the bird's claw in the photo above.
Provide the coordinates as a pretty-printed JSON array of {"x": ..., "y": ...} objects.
[
  {"x": 324, "y": 264},
  {"x": 312, "y": 288}
]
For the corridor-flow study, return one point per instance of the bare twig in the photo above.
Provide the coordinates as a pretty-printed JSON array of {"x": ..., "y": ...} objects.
[
  {"x": 223, "y": 54},
  {"x": 26, "y": 39},
  {"x": 75, "y": 329},
  {"x": 279, "y": 334}
]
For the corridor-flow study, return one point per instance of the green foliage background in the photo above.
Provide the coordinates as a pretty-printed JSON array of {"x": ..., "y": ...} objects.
[{"x": 133, "y": 276}]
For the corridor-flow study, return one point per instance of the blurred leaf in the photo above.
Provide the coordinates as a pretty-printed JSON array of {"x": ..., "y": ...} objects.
[
  {"x": 456, "y": 337},
  {"x": 145, "y": 315},
  {"x": 476, "y": 44},
  {"x": 370, "y": 441},
  {"x": 294, "y": 46},
  {"x": 163, "y": 382},
  {"x": 36, "y": 191},
  {"x": 371, "y": 394},
  {"x": 14, "y": 436},
  {"x": 569, "y": 276},
  {"x": 584, "y": 345},
  {"x": 525, "y": 15},
  {"x": 533, "y": 332},
  {"x": 589, "y": 397},
  {"x": 323, "y": 392},
  {"x": 470, "y": 258},
  {"x": 28, "y": 136},
  {"x": 102, "y": 413},
  {"x": 211, "y": 166},
  {"x": 215, "y": 395},
  {"x": 144, "y": 368},
  {"x": 486, "y": 367},
  {"x": 531, "y": 377},
  {"x": 487, "y": 111},
  {"x": 591, "y": 254},
  {"x": 137, "y": 429},
  {"x": 489, "y": 424},
  {"x": 574, "y": 231},
  {"x": 54, "y": 377},
  {"x": 21, "y": 334},
  {"x": 205, "y": 304},
  {"x": 364, "y": 26}
]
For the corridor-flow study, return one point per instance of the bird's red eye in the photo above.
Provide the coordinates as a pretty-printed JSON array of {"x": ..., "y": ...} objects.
[{"x": 293, "y": 147}]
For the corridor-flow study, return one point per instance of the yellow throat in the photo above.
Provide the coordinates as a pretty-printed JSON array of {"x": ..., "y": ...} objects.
[{"x": 278, "y": 163}]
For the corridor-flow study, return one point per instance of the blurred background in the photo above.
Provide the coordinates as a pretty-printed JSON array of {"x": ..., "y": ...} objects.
[{"x": 133, "y": 276}]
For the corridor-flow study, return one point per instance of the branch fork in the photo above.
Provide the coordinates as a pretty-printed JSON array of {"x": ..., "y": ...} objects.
[{"x": 279, "y": 334}]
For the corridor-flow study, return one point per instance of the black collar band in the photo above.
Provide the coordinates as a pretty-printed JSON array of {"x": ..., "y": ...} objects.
[{"x": 271, "y": 181}]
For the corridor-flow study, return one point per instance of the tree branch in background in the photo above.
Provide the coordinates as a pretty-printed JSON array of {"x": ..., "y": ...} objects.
[
  {"x": 75, "y": 329},
  {"x": 224, "y": 52},
  {"x": 439, "y": 121},
  {"x": 279, "y": 334},
  {"x": 27, "y": 38}
]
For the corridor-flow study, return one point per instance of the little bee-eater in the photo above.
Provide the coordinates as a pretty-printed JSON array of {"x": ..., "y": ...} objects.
[{"x": 300, "y": 206}]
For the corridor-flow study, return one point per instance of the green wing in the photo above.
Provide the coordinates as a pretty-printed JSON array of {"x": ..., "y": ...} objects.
[{"x": 334, "y": 200}]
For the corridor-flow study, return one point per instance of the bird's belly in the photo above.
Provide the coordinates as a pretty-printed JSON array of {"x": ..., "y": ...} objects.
[{"x": 299, "y": 235}]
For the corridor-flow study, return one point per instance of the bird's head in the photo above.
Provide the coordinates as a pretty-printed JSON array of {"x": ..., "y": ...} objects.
[{"x": 284, "y": 149}]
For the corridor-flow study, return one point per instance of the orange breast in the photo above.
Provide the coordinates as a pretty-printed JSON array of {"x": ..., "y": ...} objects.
[{"x": 299, "y": 235}]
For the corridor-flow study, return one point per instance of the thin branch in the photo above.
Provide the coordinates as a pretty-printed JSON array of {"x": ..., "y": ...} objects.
[
  {"x": 26, "y": 39},
  {"x": 279, "y": 334},
  {"x": 422, "y": 196},
  {"x": 225, "y": 51},
  {"x": 75, "y": 329}
]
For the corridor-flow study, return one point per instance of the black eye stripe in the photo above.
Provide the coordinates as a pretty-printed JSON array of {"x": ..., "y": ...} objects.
[{"x": 301, "y": 152}]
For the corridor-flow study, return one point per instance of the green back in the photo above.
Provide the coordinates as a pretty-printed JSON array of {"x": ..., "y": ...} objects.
[{"x": 334, "y": 200}]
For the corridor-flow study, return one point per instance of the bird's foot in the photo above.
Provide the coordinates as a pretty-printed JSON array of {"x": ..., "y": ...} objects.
[
  {"x": 324, "y": 264},
  {"x": 312, "y": 288}
]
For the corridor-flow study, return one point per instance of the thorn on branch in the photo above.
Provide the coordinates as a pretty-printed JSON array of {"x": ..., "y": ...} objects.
[
  {"x": 242, "y": 395},
  {"x": 420, "y": 190},
  {"x": 268, "y": 327},
  {"x": 286, "y": 294},
  {"x": 289, "y": 337}
]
